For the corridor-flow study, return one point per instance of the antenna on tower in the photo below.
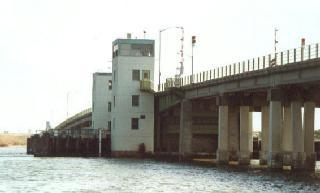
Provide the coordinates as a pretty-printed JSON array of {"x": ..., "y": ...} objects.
[{"x": 181, "y": 67}]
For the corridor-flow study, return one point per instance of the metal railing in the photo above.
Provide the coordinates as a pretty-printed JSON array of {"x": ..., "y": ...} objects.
[
  {"x": 300, "y": 54},
  {"x": 76, "y": 133},
  {"x": 146, "y": 85}
]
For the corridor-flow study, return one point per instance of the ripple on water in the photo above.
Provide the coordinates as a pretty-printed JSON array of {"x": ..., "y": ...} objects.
[{"x": 28, "y": 174}]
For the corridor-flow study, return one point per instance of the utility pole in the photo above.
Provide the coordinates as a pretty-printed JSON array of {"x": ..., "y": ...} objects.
[
  {"x": 193, "y": 41},
  {"x": 181, "y": 52},
  {"x": 275, "y": 40},
  {"x": 159, "y": 86},
  {"x": 274, "y": 61}
]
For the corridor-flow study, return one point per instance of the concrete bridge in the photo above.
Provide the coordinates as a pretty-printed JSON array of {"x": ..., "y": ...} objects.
[{"x": 212, "y": 111}]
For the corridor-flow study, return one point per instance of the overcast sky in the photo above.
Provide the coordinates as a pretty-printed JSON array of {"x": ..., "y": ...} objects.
[{"x": 49, "y": 49}]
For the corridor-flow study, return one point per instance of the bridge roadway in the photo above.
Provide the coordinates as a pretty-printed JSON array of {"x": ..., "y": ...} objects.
[{"x": 279, "y": 89}]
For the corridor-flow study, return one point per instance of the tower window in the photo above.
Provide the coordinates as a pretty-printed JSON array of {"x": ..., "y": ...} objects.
[
  {"x": 146, "y": 74},
  {"x": 115, "y": 51},
  {"x": 109, "y": 106},
  {"x": 134, "y": 123},
  {"x": 135, "y": 100},
  {"x": 146, "y": 50},
  {"x": 136, "y": 75},
  {"x": 110, "y": 84}
]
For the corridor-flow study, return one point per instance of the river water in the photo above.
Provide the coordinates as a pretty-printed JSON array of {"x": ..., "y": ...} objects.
[{"x": 22, "y": 173}]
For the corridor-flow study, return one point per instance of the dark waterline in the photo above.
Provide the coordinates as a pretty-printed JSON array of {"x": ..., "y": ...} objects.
[{"x": 22, "y": 173}]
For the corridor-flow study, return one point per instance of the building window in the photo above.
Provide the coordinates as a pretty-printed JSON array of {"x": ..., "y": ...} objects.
[
  {"x": 115, "y": 51},
  {"x": 135, "y": 100},
  {"x": 114, "y": 101},
  {"x": 114, "y": 76},
  {"x": 136, "y": 50},
  {"x": 110, "y": 84},
  {"x": 109, "y": 125},
  {"x": 146, "y": 74},
  {"x": 136, "y": 75},
  {"x": 114, "y": 123},
  {"x": 134, "y": 123},
  {"x": 109, "y": 106}
]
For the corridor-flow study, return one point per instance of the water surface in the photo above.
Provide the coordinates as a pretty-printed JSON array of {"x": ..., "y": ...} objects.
[{"x": 22, "y": 173}]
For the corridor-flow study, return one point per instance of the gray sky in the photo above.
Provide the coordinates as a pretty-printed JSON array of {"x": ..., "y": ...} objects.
[{"x": 51, "y": 48}]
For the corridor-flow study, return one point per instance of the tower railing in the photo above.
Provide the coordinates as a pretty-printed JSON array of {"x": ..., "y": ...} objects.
[
  {"x": 146, "y": 85},
  {"x": 300, "y": 54}
]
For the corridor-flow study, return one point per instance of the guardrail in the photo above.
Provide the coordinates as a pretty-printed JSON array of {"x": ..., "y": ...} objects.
[
  {"x": 281, "y": 58},
  {"x": 74, "y": 133}
]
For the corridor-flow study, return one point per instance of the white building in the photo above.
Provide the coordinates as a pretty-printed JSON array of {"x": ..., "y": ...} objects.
[
  {"x": 101, "y": 100},
  {"x": 132, "y": 100}
]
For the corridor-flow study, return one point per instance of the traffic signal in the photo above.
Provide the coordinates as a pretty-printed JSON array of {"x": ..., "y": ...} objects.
[{"x": 193, "y": 40}]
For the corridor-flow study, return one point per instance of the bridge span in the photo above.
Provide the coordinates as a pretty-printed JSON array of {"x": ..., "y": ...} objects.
[{"x": 212, "y": 111}]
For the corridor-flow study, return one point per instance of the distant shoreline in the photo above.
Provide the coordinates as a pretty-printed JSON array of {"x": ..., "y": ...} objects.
[
  {"x": 7, "y": 140},
  {"x": 12, "y": 146}
]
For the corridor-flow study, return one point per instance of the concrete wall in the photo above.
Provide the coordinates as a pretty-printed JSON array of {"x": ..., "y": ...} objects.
[{"x": 101, "y": 95}]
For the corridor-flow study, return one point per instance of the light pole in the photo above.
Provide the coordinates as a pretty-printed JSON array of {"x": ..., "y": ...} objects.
[
  {"x": 275, "y": 47},
  {"x": 275, "y": 40},
  {"x": 193, "y": 41},
  {"x": 160, "y": 31}
]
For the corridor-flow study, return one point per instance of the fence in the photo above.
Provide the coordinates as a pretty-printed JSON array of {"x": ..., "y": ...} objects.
[{"x": 307, "y": 52}]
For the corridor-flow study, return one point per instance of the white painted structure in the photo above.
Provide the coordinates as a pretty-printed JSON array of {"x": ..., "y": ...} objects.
[
  {"x": 132, "y": 109},
  {"x": 101, "y": 96}
]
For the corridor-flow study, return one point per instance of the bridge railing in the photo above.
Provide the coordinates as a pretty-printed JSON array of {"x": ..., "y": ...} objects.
[
  {"x": 75, "y": 133},
  {"x": 307, "y": 52}
]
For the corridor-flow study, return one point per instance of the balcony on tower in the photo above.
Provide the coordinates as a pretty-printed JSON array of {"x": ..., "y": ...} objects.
[{"x": 146, "y": 85}]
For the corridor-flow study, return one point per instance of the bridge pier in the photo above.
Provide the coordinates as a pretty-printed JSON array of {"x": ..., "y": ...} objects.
[
  {"x": 185, "y": 134},
  {"x": 222, "y": 152},
  {"x": 246, "y": 143},
  {"x": 287, "y": 134},
  {"x": 298, "y": 154},
  {"x": 233, "y": 140},
  {"x": 228, "y": 138},
  {"x": 264, "y": 134},
  {"x": 275, "y": 127},
  {"x": 308, "y": 127}
]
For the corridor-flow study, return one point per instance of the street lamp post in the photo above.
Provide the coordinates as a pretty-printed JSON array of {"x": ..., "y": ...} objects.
[
  {"x": 159, "y": 58},
  {"x": 193, "y": 41}
]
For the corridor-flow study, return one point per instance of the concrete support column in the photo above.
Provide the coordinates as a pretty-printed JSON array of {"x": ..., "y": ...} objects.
[
  {"x": 275, "y": 124},
  {"x": 222, "y": 152},
  {"x": 264, "y": 135},
  {"x": 185, "y": 135},
  {"x": 308, "y": 126},
  {"x": 287, "y": 140},
  {"x": 246, "y": 144},
  {"x": 233, "y": 141},
  {"x": 158, "y": 133},
  {"x": 298, "y": 155}
]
